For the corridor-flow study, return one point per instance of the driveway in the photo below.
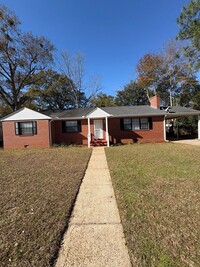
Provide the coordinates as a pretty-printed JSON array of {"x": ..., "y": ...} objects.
[{"x": 194, "y": 142}]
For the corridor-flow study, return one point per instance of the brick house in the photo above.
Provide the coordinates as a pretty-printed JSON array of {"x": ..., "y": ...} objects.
[{"x": 91, "y": 126}]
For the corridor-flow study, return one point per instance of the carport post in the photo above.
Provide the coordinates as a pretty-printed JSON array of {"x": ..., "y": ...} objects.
[
  {"x": 164, "y": 126},
  {"x": 89, "y": 134},
  {"x": 107, "y": 134},
  {"x": 199, "y": 127}
]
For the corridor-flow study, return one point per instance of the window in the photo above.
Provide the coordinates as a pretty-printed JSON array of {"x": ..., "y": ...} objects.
[
  {"x": 144, "y": 123},
  {"x": 127, "y": 124},
  {"x": 26, "y": 128},
  {"x": 71, "y": 126},
  {"x": 136, "y": 124}
]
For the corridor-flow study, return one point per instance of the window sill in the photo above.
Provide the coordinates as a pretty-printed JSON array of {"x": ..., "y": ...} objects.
[
  {"x": 70, "y": 132},
  {"x": 136, "y": 130},
  {"x": 24, "y": 135}
]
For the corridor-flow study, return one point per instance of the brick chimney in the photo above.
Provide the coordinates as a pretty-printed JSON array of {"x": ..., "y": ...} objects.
[{"x": 155, "y": 101}]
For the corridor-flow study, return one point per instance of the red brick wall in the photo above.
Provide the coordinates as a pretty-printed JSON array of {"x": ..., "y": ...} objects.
[
  {"x": 116, "y": 134},
  {"x": 58, "y": 137},
  {"x": 40, "y": 140},
  {"x": 155, "y": 134}
]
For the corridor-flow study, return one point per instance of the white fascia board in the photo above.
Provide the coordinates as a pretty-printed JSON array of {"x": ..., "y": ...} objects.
[
  {"x": 98, "y": 113},
  {"x": 26, "y": 114}
]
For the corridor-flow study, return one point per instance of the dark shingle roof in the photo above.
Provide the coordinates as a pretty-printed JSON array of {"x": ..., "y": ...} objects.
[
  {"x": 70, "y": 113},
  {"x": 177, "y": 111},
  {"x": 123, "y": 111}
]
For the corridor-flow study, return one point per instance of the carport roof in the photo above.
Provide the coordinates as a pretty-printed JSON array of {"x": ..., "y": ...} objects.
[{"x": 177, "y": 111}]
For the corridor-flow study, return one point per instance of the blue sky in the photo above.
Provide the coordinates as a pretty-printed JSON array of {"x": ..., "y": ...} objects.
[{"x": 112, "y": 35}]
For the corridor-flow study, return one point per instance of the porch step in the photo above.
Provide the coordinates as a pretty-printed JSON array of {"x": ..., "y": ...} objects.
[{"x": 99, "y": 142}]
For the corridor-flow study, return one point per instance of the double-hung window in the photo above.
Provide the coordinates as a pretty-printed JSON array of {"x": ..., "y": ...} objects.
[
  {"x": 136, "y": 124},
  {"x": 71, "y": 126},
  {"x": 144, "y": 123},
  {"x": 26, "y": 128}
]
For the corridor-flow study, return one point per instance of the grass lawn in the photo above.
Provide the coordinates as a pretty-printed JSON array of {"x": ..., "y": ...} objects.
[
  {"x": 37, "y": 192},
  {"x": 157, "y": 187}
]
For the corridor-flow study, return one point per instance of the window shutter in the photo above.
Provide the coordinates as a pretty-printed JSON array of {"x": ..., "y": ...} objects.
[
  {"x": 63, "y": 126},
  {"x": 79, "y": 126},
  {"x": 16, "y": 128},
  {"x": 34, "y": 127},
  {"x": 150, "y": 124},
  {"x": 121, "y": 124}
]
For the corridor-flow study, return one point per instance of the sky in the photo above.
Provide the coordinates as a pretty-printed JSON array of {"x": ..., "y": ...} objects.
[{"x": 113, "y": 35}]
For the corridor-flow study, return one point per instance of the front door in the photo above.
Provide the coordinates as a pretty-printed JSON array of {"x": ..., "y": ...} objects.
[{"x": 98, "y": 129}]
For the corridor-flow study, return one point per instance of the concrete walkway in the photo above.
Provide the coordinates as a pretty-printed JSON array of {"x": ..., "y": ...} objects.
[{"x": 95, "y": 235}]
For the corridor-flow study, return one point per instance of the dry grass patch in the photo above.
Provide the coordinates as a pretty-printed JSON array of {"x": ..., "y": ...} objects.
[
  {"x": 157, "y": 188},
  {"x": 37, "y": 192}
]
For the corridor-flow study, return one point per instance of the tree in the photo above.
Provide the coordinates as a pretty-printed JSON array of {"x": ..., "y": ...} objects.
[
  {"x": 149, "y": 70},
  {"x": 176, "y": 71},
  {"x": 102, "y": 100},
  {"x": 196, "y": 98},
  {"x": 73, "y": 67},
  {"x": 189, "y": 21},
  {"x": 53, "y": 91},
  {"x": 21, "y": 56},
  {"x": 188, "y": 96},
  {"x": 166, "y": 73},
  {"x": 132, "y": 94},
  {"x": 4, "y": 109}
]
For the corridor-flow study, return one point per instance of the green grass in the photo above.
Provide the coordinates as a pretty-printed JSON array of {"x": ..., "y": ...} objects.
[
  {"x": 157, "y": 187},
  {"x": 37, "y": 192}
]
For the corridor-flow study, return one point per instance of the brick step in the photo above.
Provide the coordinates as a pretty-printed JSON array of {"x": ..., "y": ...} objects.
[{"x": 99, "y": 142}]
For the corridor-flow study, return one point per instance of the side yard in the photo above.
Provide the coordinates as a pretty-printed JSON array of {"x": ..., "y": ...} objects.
[
  {"x": 157, "y": 187},
  {"x": 37, "y": 192}
]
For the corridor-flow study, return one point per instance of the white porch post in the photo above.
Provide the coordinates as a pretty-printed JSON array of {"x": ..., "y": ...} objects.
[
  {"x": 107, "y": 134},
  {"x": 164, "y": 126},
  {"x": 199, "y": 127},
  {"x": 89, "y": 134}
]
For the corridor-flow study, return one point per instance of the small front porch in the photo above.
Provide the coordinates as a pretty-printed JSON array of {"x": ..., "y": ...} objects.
[{"x": 98, "y": 134}]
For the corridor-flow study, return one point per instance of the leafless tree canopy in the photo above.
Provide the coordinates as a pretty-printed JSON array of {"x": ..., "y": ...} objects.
[{"x": 21, "y": 56}]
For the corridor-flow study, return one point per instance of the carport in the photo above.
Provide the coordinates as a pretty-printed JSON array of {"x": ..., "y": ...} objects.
[{"x": 182, "y": 112}]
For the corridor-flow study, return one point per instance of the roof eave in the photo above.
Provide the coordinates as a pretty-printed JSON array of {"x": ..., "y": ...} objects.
[
  {"x": 68, "y": 118},
  {"x": 138, "y": 115},
  {"x": 44, "y": 119},
  {"x": 175, "y": 115}
]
